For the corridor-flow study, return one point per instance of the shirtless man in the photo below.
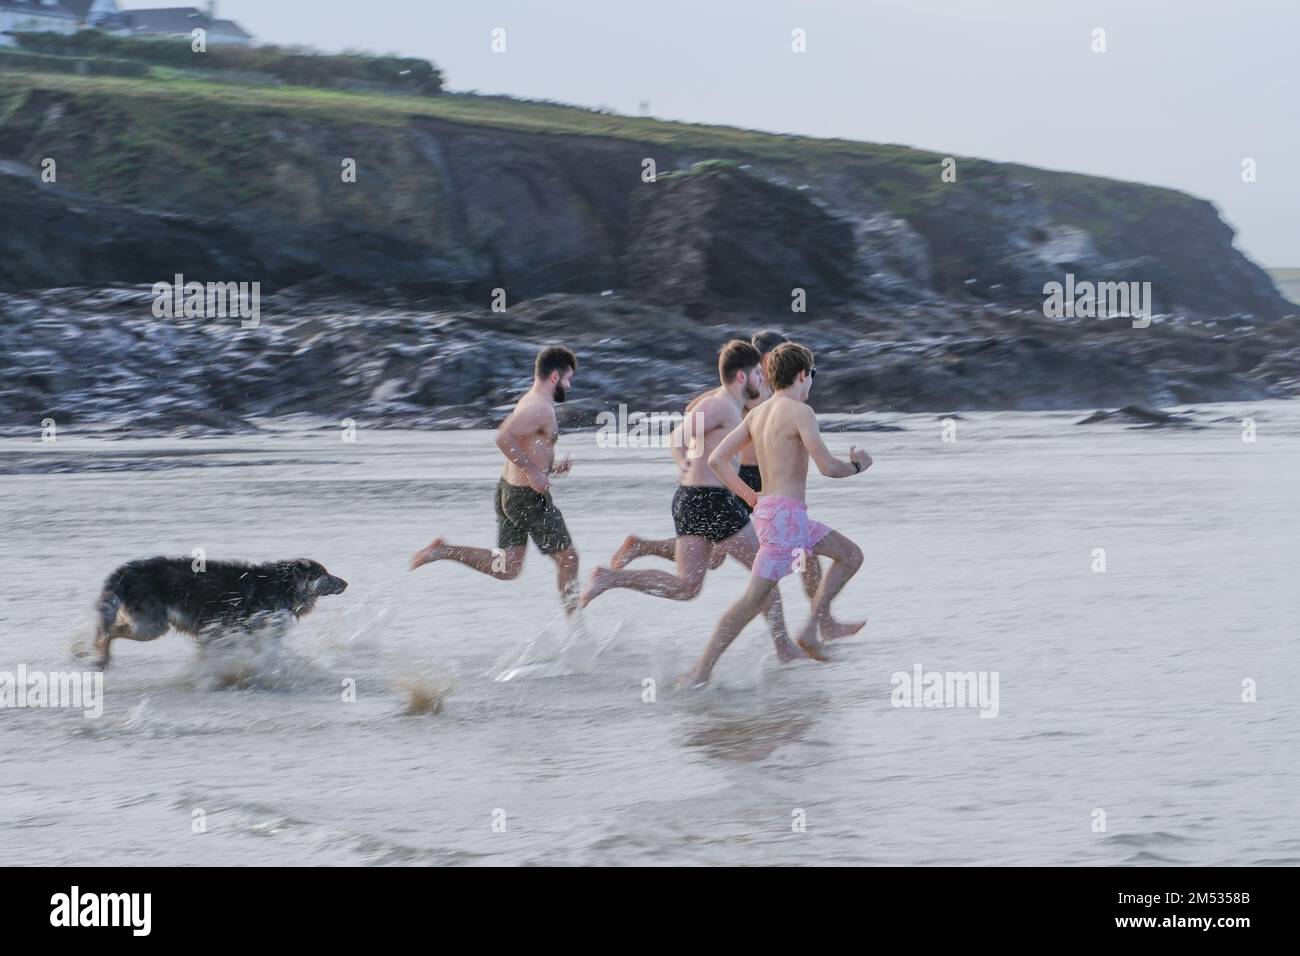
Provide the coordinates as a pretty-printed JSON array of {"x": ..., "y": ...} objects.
[
  {"x": 523, "y": 498},
  {"x": 634, "y": 547},
  {"x": 710, "y": 521},
  {"x": 784, "y": 433}
]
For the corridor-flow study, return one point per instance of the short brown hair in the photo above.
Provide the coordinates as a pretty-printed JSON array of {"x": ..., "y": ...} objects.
[
  {"x": 767, "y": 340},
  {"x": 554, "y": 358},
  {"x": 736, "y": 356},
  {"x": 785, "y": 362}
]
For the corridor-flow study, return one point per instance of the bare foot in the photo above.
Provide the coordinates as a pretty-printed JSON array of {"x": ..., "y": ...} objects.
[
  {"x": 629, "y": 550},
  {"x": 427, "y": 555},
  {"x": 597, "y": 586},
  {"x": 692, "y": 681},
  {"x": 839, "y": 629},
  {"x": 814, "y": 649},
  {"x": 811, "y": 646},
  {"x": 787, "y": 651}
]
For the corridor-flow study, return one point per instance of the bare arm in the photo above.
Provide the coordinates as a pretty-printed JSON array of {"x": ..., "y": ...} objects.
[
  {"x": 828, "y": 464},
  {"x": 678, "y": 441},
  {"x": 512, "y": 439},
  {"x": 688, "y": 437},
  {"x": 721, "y": 461}
]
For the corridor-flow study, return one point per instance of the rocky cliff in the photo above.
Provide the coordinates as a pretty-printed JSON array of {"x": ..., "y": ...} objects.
[
  {"x": 934, "y": 287},
  {"x": 541, "y": 199}
]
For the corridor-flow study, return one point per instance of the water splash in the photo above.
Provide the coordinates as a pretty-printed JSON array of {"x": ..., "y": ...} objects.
[{"x": 563, "y": 647}]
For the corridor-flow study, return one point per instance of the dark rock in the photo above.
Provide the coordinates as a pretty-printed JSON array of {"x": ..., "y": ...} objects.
[
  {"x": 93, "y": 359},
  {"x": 717, "y": 233},
  {"x": 1138, "y": 416},
  {"x": 854, "y": 425}
]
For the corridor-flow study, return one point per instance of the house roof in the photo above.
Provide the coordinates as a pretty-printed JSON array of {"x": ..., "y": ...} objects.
[
  {"x": 179, "y": 20},
  {"x": 36, "y": 8}
]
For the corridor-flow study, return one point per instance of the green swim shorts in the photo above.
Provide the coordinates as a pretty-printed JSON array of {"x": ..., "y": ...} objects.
[{"x": 522, "y": 512}]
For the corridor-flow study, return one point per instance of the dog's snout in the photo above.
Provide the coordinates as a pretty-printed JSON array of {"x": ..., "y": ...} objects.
[{"x": 329, "y": 584}]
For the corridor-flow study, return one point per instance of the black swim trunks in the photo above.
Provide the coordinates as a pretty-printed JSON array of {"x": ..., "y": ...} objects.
[
  {"x": 708, "y": 512},
  {"x": 522, "y": 512},
  {"x": 750, "y": 475}
]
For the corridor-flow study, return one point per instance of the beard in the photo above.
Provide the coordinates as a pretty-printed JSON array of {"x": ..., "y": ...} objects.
[
  {"x": 752, "y": 392},
  {"x": 560, "y": 393}
]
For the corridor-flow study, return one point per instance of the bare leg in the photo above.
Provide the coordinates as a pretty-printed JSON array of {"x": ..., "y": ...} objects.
[
  {"x": 732, "y": 623},
  {"x": 830, "y": 628},
  {"x": 743, "y": 546},
  {"x": 692, "y": 560},
  {"x": 846, "y": 558},
  {"x": 566, "y": 578},
  {"x": 504, "y": 565},
  {"x": 634, "y": 547}
]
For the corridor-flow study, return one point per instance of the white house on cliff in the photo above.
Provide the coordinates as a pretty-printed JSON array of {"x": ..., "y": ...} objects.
[{"x": 69, "y": 16}]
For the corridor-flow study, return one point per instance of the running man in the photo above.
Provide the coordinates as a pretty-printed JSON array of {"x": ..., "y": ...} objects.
[
  {"x": 710, "y": 521},
  {"x": 636, "y": 547},
  {"x": 523, "y": 495},
  {"x": 784, "y": 433}
]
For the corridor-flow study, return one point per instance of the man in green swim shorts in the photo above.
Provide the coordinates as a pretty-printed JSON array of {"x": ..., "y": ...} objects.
[{"x": 522, "y": 499}]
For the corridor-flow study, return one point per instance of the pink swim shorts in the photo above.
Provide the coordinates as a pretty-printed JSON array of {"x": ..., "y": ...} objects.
[{"x": 786, "y": 535}]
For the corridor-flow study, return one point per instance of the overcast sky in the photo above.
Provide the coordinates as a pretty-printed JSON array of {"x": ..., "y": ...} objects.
[{"x": 1185, "y": 91}]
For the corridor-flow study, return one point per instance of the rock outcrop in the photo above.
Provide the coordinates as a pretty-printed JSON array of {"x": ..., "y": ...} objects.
[
  {"x": 519, "y": 201},
  {"x": 100, "y": 359},
  {"x": 921, "y": 295}
]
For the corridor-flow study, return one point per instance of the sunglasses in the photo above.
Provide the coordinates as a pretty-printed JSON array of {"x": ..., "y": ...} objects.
[{"x": 812, "y": 372}]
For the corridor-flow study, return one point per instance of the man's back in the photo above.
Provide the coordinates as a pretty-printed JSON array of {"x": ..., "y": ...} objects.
[{"x": 776, "y": 428}]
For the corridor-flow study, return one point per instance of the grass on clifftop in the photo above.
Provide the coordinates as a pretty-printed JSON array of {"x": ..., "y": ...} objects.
[
  {"x": 903, "y": 179},
  {"x": 380, "y": 109}
]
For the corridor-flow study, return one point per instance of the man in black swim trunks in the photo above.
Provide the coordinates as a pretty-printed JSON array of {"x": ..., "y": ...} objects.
[
  {"x": 711, "y": 522},
  {"x": 635, "y": 547},
  {"x": 522, "y": 498}
]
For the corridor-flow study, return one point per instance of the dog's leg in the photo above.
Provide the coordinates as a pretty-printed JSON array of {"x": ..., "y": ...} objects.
[
  {"x": 125, "y": 627},
  {"x": 107, "y": 627}
]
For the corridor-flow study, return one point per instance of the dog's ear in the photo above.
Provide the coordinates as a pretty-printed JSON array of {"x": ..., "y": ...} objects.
[{"x": 299, "y": 572}]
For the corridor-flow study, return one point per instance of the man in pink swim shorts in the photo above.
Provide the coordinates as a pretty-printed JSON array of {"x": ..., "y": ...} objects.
[
  {"x": 784, "y": 433},
  {"x": 786, "y": 536}
]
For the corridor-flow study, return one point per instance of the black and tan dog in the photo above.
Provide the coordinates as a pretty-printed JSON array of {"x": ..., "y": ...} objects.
[{"x": 142, "y": 599}]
